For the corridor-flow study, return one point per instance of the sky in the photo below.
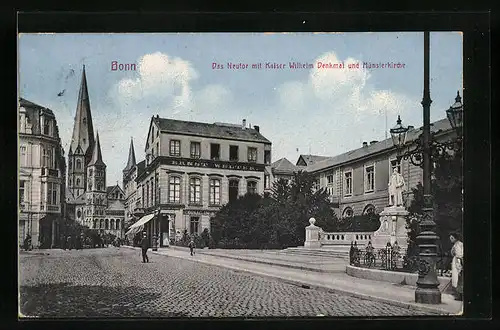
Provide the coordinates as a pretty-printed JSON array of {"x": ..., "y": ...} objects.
[{"x": 320, "y": 111}]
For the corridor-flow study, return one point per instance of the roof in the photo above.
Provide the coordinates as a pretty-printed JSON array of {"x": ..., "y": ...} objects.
[
  {"x": 311, "y": 159},
  {"x": 131, "y": 157},
  {"x": 141, "y": 167},
  {"x": 110, "y": 189},
  {"x": 96, "y": 154},
  {"x": 28, "y": 104},
  {"x": 440, "y": 125},
  {"x": 283, "y": 166},
  {"x": 218, "y": 130}
]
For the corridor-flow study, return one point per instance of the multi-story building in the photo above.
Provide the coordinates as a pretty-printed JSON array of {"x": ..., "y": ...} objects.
[
  {"x": 358, "y": 180},
  {"x": 192, "y": 169},
  {"x": 280, "y": 169},
  {"x": 41, "y": 175},
  {"x": 89, "y": 201},
  {"x": 130, "y": 173}
]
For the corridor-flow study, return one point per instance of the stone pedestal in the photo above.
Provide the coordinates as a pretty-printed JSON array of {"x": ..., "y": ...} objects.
[
  {"x": 392, "y": 228},
  {"x": 312, "y": 235}
]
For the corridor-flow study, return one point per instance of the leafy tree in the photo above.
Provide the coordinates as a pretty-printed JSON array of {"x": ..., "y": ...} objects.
[{"x": 446, "y": 189}]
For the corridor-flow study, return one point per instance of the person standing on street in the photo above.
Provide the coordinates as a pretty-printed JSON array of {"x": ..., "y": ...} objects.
[
  {"x": 457, "y": 265},
  {"x": 145, "y": 247},
  {"x": 191, "y": 246}
]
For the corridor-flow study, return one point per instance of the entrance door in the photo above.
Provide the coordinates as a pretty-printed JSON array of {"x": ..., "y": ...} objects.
[
  {"x": 164, "y": 232},
  {"x": 45, "y": 233}
]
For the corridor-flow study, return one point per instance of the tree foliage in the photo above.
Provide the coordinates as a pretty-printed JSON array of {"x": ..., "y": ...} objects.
[
  {"x": 277, "y": 220},
  {"x": 446, "y": 189}
]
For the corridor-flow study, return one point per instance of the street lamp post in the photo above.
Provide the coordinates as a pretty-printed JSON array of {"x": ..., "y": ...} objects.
[{"x": 427, "y": 291}]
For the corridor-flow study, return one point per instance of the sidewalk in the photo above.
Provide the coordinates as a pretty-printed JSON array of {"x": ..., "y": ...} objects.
[{"x": 338, "y": 282}]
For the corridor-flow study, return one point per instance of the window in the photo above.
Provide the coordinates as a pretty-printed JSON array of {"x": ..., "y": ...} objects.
[
  {"x": 370, "y": 178},
  {"x": 252, "y": 155},
  {"x": 95, "y": 224},
  {"x": 147, "y": 194},
  {"x": 78, "y": 164},
  {"x": 329, "y": 179},
  {"x": 316, "y": 184},
  {"x": 267, "y": 184},
  {"x": 45, "y": 157},
  {"x": 174, "y": 190},
  {"x": 21, "y": 191},
  {"x": 348, "y": 183},
  {"x": 175, "y": 148},
  {"x": 251, "y": 187},
  {"x": 78, "y": 214},
  {"x": 101, "y": 226},
  {"x": 395, "y": 164},
  {"x": 195, "y": 190},
  {"x": 157, "y": 148},
  {"x": 22, "y": 154},
  {"x": 214, "y": 192},
  {"x": 348, "y": 212},
  {"x": 195, "y": 150},
  {"x": 106, "y": 224},
  {"x": 91, "y": 172},
  {"x": 157, "y": 191},
  {"x": 267, "y": 156},
  {"x": 117, "y": 224},
  {"x": 369, "y": 209},
  {"x": 77, "y": 182},
  {"x": 153, "y": 153},
  {"x": 46, "y": 127},
  {"x": 99, "y": 186},
  {"x": 233, "y": 153},
  {"x": 70, "y": 164},
  {"x": 214, "y": 151},
  {"x": 112, "y": 224},
  {"x": 233, "y": 190},
  {"x": 52, "y": 193},
  {"x": 194, "y": 224}
]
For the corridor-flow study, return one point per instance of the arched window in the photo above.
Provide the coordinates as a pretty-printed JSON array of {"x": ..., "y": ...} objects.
[
  {"x": 106, "y": 224},
  {"x": 99, "y": 187},
  {"x": 101, "y": 224},
  {"x": 117, "y": 224},
  {"x": 91, "y": 172},
  {"x": 369, "y": 209},
  {"x": 112, "y": 224},
  {"x": 70, "y": 164},
  {"x": 174, "y": 189},
  {"x": 78, "y": 164},
  {"x": 348, "y": 212},
  {"x": 251, "y": 187},
  {"x": 78, "y": 182},
  {"x": 123, "y": 224},
  {"x": 214, "y": 191},
  {"x": 95, "y": 224}
]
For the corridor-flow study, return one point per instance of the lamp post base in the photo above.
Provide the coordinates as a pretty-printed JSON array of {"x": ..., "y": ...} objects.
[{"x": 428, "y": 296}]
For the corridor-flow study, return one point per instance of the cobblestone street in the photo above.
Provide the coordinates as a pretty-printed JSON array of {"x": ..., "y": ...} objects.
[{"x": 112, "y": 282}]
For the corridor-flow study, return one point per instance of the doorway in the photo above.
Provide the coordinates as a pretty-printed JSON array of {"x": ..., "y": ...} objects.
[{"x": 164, "y": 230}]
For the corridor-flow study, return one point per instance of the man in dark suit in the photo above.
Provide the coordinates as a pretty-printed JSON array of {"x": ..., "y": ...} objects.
[{"x": 145, "y": 246}]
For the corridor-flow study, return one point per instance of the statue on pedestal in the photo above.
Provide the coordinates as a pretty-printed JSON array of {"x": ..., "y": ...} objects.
[{"x": 396, "y": 187}]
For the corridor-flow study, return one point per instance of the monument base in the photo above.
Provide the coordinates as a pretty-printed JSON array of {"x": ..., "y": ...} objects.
[{"x": 392, "y": 228}]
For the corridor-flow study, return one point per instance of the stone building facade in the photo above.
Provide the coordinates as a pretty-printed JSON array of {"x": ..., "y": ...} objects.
[
  {"x": 358, "y": 180},
  {"x": 41, "y": 175},
  {"x": 192, "y": 169}
]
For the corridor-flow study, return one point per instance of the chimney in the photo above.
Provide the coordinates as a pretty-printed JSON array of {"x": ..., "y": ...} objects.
[
  {"x": 244, "y": 124},
  {"x": 257, "y": 128},
  {"x": 372, "y": 142},
  {"x": 365, "y": 144}
]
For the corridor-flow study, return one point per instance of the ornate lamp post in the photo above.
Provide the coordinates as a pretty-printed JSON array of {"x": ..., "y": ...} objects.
[{"x": 425, "y": 147}]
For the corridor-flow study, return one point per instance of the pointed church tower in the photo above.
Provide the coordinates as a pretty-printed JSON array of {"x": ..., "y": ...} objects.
[
  {"x": 96, "y": 197},
  {"x": 82, "y": 142},
  {"x": 131, "y": 160}
]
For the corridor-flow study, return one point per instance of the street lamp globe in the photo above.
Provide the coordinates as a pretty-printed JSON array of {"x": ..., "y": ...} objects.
[
  {"x": 455, "y": 114},
  {"x": 398, "y": 134}
]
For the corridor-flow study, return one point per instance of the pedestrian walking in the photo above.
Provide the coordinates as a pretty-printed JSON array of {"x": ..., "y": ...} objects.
[
  {"x": 191, "y": 246},
  {"x": 27, "y": 242},
  {"x": 145, "y": 247}
]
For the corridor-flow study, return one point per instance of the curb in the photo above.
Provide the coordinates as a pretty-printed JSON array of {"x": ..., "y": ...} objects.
[{"x": 324, "y": 288}]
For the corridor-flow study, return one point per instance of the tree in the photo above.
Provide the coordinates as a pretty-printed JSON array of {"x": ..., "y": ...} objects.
[
  {"x": 446, "y": 189},
  {"x": 274, "y": 221}
]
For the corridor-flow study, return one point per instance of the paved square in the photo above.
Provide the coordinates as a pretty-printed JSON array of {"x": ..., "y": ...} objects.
[{"x": 112, "y": 282}]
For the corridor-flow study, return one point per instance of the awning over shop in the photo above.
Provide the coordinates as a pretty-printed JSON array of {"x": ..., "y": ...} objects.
[{"x": 139, "y": 225}]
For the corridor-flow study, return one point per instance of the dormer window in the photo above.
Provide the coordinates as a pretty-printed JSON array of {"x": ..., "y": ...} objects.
[{"x": 46, "y": 127}]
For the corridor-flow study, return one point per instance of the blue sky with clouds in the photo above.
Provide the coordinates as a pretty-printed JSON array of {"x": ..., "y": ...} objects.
[{"x": 322, "y": 111}]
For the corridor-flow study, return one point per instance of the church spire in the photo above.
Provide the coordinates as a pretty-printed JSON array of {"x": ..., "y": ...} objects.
[
  {"x": 96, "y": 155},
  {"x": 83, "y": 131},
  {"x": 131, "y": 157}
]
